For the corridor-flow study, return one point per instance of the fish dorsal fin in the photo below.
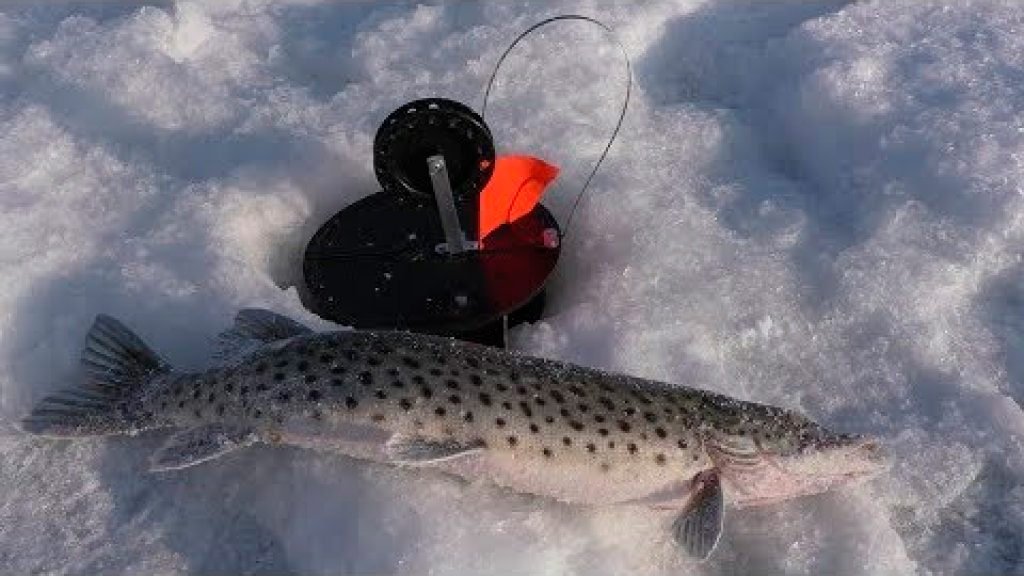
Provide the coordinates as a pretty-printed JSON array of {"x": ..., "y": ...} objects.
[
  {"x": 254, "y": 327},
  {"x": 196, "y": 445},
  {"x": 115, "y": 358},
  {"x": 402, "y": 449},
  {"x": 699, "y": 527}
]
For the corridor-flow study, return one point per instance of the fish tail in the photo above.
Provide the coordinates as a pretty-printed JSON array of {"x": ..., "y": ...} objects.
[{"x": 117, "y": 364}]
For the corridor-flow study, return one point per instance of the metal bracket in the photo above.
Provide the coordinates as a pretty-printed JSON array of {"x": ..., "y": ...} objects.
[{"x": 455, "y": 241}]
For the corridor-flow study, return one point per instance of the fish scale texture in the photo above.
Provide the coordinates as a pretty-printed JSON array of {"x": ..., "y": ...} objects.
[{"x": 813, "y": 204}]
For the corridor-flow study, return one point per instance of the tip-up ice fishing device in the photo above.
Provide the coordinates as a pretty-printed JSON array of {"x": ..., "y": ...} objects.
[{"x": 456, "y": 241}]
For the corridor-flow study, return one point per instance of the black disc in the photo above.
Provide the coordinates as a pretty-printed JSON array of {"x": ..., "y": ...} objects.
[
  {"x": 424, "y": 128},
  {"x": 375, "y": 265}
]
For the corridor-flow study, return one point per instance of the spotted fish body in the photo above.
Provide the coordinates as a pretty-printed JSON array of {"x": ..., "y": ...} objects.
[{"x": 533, "y": 425}]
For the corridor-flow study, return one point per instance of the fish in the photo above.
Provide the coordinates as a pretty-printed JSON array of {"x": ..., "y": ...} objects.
[{"x": 532, "y": 425}]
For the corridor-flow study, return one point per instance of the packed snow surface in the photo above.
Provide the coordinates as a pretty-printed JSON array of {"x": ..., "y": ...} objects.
[{"x": 816, "y": 204}]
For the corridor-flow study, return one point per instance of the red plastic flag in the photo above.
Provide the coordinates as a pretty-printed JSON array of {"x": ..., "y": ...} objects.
[{"x": 515, "y": 187}]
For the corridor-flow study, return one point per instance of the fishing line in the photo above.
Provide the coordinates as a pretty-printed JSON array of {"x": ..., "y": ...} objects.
[{"x": 622, "y": 114}]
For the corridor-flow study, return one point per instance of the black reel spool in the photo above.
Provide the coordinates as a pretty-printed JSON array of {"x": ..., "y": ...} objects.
[
  {"x": 384, "y": 263},
  {"x": 428, "y": 127}
]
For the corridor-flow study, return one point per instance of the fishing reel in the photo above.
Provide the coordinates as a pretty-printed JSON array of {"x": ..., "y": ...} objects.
[
  {"x": 411, "y": 256},
  {"x": 456, "y": 242}
]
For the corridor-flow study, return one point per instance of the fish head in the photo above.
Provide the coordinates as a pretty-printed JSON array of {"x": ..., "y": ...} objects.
[{"x": 788, "y": 455}]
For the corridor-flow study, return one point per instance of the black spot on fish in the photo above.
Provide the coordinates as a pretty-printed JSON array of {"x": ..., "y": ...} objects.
[
  {"x": 491, "y": 372},
  {"x": 426, "y": 392},
  {"x": 696, "y": 457},
  {"x": 381, "y": 395},
  {"x": 260, "y": 368},
  {"x": 476, "y": 380},
  {"x": 257, "y": 413},
  {"x": 602, "y": 431},
  {"x": 436, "y": 371},
  {"x": 284, "y": 396},
  {"x": 453, "y": 384},
  {"x": 455, "y": 399},
  {"x": 314, "y": 395},
  {"x": 405, "y": 404},
  {"x": 611, "y": 444},
  {"x": 229, "y": 387},
  {"x": 211, "y": 398},
  {"x": 599, "y": 418},
  {"x": 534, "y": 428},
  {"x": 326, "y": 358},
  {"x": 377, "y": 417},
  {"x": 525, "y": 407},
  {"x": 196, "y": 393},
  {"x": 564, "y": 412},
  {"x": 512, "y": 440},
  {"x": 454, "y": 372},
  {"x": 501, "y": 387},
  {"x": 420, "y": 380},
  {"x": 660, "y": 432},
  {"x": 365, "y": 378},
  {"x": 576, "y": 425},
  {"x": 629, "y": 410},
  {"x": 310, "y": 378},
  {"x": 549, "y": 419},
  {"x": 607, "y": 403},
  {"x": 374, "y": 361},
  {"x": 577, "y": 391},
  {"x": 605, "y": 466},
  {"x": 351, "y": 402},
  {"x": 338, "y": 370},
  {"x": 397, "y": 384},
  {"x": 682, "y": 444},
  {"x": 351, "y": 355},
  {"x": 591, "y": 447},
  {"x": 220, "y": 409},
  {"x": 440, "y": 411},
  {"x": 411, "y": 362},
  {"x": 506, "y": 405},
  {"x": 547, "y": 452},
  {"x": 302, "y": 366},
  {"x": 198, "y": 413},
  {"x": 583, "y": 408},
  {"x": 660, "y": 459},
  {"x": 337, "y": 382},
  {"x": 278, "y": 376},
  {"x": 521, "y": 390},
  {"x": 499, "y": 422},
  {"x": 261, "y": 387},
  {"x": 566, "y": 440},
  {"x": 281, "y": 364},
  {"x": 393, "y": 372},
  {"x": 485, "y": 399},
  {"x": 631, "y": 447},
  {"x": 467, "y": 416},
  {"x": 624, "y": 426},
  {"x": 557, "y": 396},
  {"x": 540, "y": 401},
  {"x": 472, "y": 362},
  {"x": 163, "y": 405},
  {"x": 650, "y": 417}
]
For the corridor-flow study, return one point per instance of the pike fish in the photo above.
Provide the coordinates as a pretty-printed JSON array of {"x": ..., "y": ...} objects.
[{"x": 532, "y": 425}]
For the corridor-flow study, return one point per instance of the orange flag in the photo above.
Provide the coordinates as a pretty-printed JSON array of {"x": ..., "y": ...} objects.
[{"x": 517, "y": 184}]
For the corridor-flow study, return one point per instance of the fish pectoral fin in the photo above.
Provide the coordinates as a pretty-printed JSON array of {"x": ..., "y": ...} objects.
[
  {"x": 196, "y": 445},
  {"x": 255, "y": 326},
  {"x": 699, "y": 527},
  {"x": 402, "y": 449}
]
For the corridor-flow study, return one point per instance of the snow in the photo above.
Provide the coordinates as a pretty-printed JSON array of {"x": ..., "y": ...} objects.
[{"x": 815, "y": 204}]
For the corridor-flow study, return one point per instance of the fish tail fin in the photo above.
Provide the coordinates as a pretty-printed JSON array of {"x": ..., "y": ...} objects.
[{"x": 117, "y": 364}]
